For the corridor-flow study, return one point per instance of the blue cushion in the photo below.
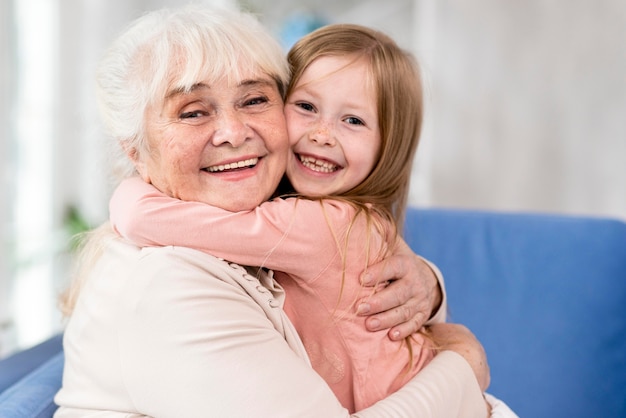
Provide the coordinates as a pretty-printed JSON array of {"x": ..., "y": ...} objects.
[
  {"x": 33, "y": 396},
  {"x": 18, "y": 365},
  {"x": 546, "y": 295}
]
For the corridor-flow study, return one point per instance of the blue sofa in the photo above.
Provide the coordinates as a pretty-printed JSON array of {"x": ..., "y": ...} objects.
[{"x": 545, "y": 294}]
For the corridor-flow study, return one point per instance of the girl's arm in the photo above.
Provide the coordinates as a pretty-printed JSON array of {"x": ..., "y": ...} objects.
[{"x": 289, "y": 235}]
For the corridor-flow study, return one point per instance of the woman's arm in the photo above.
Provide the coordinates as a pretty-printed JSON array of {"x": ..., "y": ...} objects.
[
  {"x": 458, "y": 338},
  {"x": 446, "y": 387},
  {"x": 196, "y": 345},
  {"x": 464, "y": 358}
]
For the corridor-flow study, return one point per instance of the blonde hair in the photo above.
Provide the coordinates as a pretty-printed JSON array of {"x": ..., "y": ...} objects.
[
  {"x": 396, "y": 79},
  {"x": 397, "y": 82},
  {"x": 158, "y": 52},
  {"x": 89, "y": 245}
]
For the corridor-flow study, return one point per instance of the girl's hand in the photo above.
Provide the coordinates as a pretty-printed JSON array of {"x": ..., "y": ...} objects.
[{"x": 411, "y": 298}]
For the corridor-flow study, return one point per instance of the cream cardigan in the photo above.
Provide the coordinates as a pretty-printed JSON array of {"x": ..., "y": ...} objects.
[{"x": 174, "y": 332}]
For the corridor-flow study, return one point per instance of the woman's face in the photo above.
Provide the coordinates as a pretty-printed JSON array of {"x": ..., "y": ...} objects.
[
  {"x": 222, "y": 144},
  {"x": 333, "y": 127}
]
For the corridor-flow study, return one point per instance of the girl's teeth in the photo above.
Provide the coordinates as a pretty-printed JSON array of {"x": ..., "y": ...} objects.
[{"x": 318, "y": 165}]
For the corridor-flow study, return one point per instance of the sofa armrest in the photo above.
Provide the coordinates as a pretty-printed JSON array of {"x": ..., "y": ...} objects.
[
  {"x": 33, "y": 395},
  {"x": 18, "y": 365}
]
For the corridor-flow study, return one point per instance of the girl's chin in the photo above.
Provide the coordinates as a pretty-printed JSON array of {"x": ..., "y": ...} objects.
[
  {"x": 312, "y": 190},
  {"x": 312, "y": 183}
]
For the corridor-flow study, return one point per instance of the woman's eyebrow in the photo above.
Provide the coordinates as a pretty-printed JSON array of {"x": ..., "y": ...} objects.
[
  {"x": 183, "y": 90},
  {"x": 244, "y": 83},
  {"x": 256, "y": 82}
]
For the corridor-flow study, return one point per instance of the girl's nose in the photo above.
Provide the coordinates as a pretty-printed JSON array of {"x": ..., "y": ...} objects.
[{"x": 322, "y": 134}]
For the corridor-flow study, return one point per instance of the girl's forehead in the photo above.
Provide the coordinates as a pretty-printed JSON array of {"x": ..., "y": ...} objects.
[
  {"x": 335, "y": 60},
  {"x": 328, "y": 66}
]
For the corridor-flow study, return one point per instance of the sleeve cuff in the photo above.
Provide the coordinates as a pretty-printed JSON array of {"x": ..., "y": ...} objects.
[{"x": 440, "y": 315}]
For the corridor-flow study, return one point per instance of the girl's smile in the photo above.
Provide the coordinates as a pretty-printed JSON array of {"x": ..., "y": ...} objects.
[{"x": 333, "y": 127}]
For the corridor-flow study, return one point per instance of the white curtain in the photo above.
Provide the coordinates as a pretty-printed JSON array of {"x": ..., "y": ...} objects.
[{"x": 6, "y": 156}]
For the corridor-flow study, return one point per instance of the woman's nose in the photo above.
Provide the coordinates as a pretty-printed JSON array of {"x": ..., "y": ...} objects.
[{"x": 231, "y": 128}]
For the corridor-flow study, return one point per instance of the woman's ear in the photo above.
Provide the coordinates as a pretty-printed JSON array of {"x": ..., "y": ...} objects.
[{"x": 134, "y": 155}]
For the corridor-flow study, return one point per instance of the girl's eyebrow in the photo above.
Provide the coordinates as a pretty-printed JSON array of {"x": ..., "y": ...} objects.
[{"x": 307, "y": 89}]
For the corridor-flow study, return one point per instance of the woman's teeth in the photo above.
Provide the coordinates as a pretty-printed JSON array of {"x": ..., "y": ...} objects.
[
  {"x": 318, "y": 165},
  {"x": 239, "y": 164}
]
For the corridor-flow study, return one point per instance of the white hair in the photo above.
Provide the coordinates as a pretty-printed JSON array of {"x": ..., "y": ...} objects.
[
  {"x": 168, "y": 49},
  {"x": 160, "y": 51}
]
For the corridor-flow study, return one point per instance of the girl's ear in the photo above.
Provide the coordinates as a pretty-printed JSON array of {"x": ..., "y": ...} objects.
[{"x": 138, "y": 162}]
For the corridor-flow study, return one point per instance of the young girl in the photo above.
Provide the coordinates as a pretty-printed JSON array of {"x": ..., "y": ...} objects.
[{"x": 354, "y": 112}]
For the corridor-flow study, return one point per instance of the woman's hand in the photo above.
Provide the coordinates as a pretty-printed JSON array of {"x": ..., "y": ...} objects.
[
  {"x": 458, "y": 338},
  {"x": 409, "y": 300}
]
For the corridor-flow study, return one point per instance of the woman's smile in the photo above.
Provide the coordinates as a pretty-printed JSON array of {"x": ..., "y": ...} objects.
[{"x": 241, "y": 164}]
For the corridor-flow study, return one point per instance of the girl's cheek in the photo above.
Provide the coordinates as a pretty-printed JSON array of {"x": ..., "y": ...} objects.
[
  {"x": 291, "y": 119},
  {"x": 293, "y": 132}
]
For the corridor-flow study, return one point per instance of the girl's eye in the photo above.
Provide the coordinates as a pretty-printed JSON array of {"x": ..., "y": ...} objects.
[
  {"x": 306, "y": 106},
  {"x": 354, "y": 121}
]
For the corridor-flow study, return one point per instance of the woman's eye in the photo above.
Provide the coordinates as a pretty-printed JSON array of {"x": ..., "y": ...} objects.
[
  {"x": 191, "y": 115},
  {"x": 306, "y": 106},
  {"x": 256, "y": 101},
  {"x": 354, "y": 121}
]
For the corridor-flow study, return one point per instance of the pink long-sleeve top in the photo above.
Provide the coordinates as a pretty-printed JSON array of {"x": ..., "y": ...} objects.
[{"x": 318, "y": 250}]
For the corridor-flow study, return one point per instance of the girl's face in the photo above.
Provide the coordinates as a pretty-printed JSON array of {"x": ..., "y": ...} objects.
[{"x": 333, "y": 128}]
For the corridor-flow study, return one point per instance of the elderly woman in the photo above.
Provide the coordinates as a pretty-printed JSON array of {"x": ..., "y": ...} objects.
[{"x": 174, "y": 332}]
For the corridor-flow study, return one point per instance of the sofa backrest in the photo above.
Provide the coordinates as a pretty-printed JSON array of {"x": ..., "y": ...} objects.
[{"x": 546, "y": 295}]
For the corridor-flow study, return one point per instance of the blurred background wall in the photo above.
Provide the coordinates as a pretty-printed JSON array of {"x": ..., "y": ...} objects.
[{"x": 526, "y": 111}]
